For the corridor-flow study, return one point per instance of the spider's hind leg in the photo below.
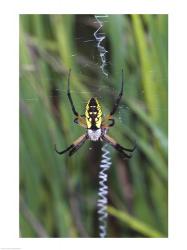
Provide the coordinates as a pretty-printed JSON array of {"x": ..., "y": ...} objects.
[
  {"x": 69, "y": 96},
  {"x": 117, "y": 102},
  {"x": 105, "y": 121},
  {"x": 80, "y": 120}
]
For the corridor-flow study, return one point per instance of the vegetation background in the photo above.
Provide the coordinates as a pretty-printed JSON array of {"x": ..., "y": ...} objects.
[{"x": 58, "y": 194}]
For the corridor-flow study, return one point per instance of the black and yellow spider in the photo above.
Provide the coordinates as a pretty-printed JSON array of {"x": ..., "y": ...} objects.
[{"x": 96, "y": 125}]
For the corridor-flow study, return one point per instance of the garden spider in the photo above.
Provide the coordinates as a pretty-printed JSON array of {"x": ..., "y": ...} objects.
[{"x": 97, "y": 126}]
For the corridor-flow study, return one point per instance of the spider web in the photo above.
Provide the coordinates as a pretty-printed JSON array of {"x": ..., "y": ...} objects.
[
  {"x": 93, "y": 70},
  {"x": 94, "y": 67},
  {"x": 101, "y": 89}
]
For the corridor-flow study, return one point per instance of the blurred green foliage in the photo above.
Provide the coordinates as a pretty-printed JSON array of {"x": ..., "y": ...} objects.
[{"x": 58, "y": 194}]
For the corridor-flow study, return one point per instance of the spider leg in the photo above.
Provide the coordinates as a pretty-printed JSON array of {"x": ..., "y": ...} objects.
[
  {"x": 63, "y": 151},
  {"x": 112, "y": 122},
  {"x": 116, "y": 104},
  {"x": 76, "y": 120},
  {"x": 120, "y": 146},
  {"x": 105, "y": 125},
  {"x": 129, "y": 149},
  {"x": 117, "y": 146},
  {"x": 69, "y": 96},
  {"x": 81, "y": 121},
  {"x": 106, "y": 119},
  {"x": 75, "y": 146}
]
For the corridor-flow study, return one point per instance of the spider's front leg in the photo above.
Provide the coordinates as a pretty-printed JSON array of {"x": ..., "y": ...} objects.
[
  {"x": 117, "y": 146},
  {"x": 63, "y": 151},
  {"x": 75, "y": 146}
]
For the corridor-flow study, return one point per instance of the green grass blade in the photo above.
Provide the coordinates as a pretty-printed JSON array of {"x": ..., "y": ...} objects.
[{"x": 134, "y": 223}]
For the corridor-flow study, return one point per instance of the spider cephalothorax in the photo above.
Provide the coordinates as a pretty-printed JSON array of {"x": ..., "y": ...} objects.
[{"x": 96, "y": 124}]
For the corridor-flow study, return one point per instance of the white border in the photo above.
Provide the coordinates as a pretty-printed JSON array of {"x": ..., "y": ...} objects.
[
  {"x": 9, "y": 179},
  {"x": 96, "y": 6}
]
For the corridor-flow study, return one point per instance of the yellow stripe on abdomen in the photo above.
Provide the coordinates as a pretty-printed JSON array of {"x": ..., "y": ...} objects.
[{"x": 93, "y": 114}]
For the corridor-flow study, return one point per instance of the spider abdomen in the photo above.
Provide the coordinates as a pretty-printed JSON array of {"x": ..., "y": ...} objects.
[{"x": 93, "y": 114}]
